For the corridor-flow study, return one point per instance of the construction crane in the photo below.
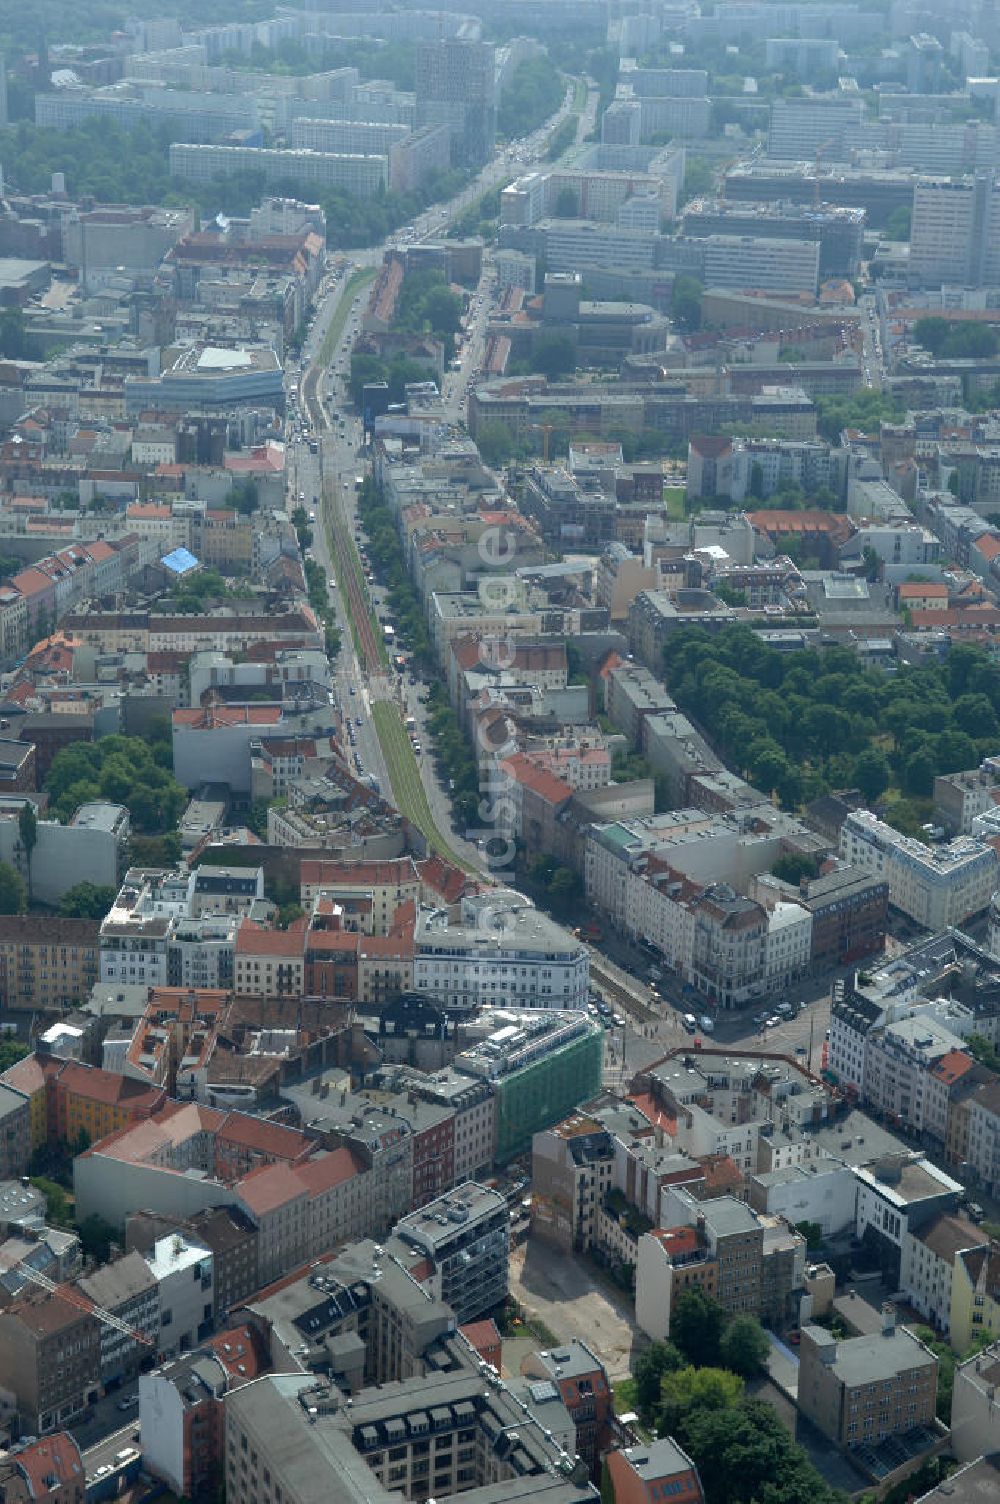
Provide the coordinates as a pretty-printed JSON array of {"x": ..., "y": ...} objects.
[
  {"x": 545, "y": 429},
  {"x": 824, "y": 146},
  {"x": 82, "y": 1304}
]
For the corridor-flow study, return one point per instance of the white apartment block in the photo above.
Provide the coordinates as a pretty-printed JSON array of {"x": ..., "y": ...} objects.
[
  {"x": 937, "y": 886},
  {"x": 820, "y": 1190},
  {"x": 183, "y": 1270},
  {"x": 503, "y": 953},
  {"x": 955, "y": 232},
  {"x": 787, "y": 945},
  {"x": 927, "y": 1264},
  {"x": 984, "y": 1136},
  {"x": 356, "y": 137},
  {"x": 804, "y": 56},
  {"x": 752, "y": 261},
  {"x": 804, "y": 464},
  {"x": 364, "y": 175},
  {"x": 886, "y": 1045},
  {"x": 975, "y": 1409},
  {"x": 800, "y": 127},
  {"x": 679, "y": 115},
  {"x": 898, "y": 1060},
  {"x": 901, "y": 1190},
  {"x": 573, "y": 244}
]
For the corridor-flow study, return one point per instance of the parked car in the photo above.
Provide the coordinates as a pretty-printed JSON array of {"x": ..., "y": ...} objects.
[{"x": 689, "y": 1023}]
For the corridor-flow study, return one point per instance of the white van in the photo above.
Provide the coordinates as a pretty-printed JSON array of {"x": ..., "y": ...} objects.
[
  {"x": 689, "y": 1023},
  {"x": 706, "y": 1025}
]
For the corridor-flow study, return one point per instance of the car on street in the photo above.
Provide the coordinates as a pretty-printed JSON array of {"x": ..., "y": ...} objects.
[{"x": 772, "y": 1022}]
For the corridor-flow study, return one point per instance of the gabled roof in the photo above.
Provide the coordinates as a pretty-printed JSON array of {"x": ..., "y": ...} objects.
[
  {"x": 952, "y": 1067},
  {"x": 255, "y": 940},
  {"x": 539, "y": 780},
  {"x": 268, "y": 1187}
]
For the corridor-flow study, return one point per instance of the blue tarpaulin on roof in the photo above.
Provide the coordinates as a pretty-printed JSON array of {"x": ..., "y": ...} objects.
[{"x": 180, "y": 561}]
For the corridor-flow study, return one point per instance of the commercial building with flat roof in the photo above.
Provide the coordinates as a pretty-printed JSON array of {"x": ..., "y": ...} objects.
[
  {"x": 209, "y": 376},
  {"x": 504, "y": 951},
  {"x": 937, "y": 886},
  {"x": 863, "y": 1389},
  {"x": 360, "y": 174},
  {"x": 466, "y": 1236}
]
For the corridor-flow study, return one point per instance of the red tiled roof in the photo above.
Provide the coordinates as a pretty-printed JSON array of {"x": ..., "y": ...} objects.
[
  {"x": 108, "y": 1087},
  {"x": 443, "y": 878},
  {"x": 207, "y": 719},
  {"x": 973, "y": 619},
  {"x": 240, "y": 1351},
  {"x": 541, "y": 782},
  {"x": 324, "y": 1171},
  {"x": 270, "y": 1186},
  {"x": 914, "y": 591},
  {"x": 710, "y": 445},
  {"x": 483, "y": 1335},
  {"x": 332, "y": 940},
  {"x": 149, "y": 511},
  {"x": 254, "y": 940},
  {"x": 30, "y": 1074},
  {"x": 800, "y": 522},
  {"x": 263, "y": 1137},
  {"x": 677, "y": 1241},
  {"x": 656, "y": 1116},
  {"x": 392, "y": 947},
  {"x": 721, "y": 1171},
  {"x": 50, "y": 1464},
  {"x": 952, "y": 1067},
  {"x": 391, "y": 873}
]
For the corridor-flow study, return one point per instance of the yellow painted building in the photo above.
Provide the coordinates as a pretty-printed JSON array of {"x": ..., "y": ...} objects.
[
  {"x": 29, "y": 1076},
  {"x": 975, "y": 1296}
]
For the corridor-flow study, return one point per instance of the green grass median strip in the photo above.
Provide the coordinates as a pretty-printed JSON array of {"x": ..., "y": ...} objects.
[
  {"x": 404, "y": 775},
  {"x": 345, "y": 303}
]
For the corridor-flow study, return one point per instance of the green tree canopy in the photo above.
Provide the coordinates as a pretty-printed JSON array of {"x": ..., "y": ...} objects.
[
  {"x": 687, "y": 1390},
  {"x": 805, "y": 722},
  {"x": 13, "y": 890},
  {"x": 696, "y": 1326},
  {"x": 650, "y": 1366},
  {"x": 744, "y": 1346},
  {"x": 685, "y": 303},
  {"x": 122, "y": 769},
  {"x": 533, "y": 94},
  {"x": 86, "y": 901},
  {"x": 495, "y": 442},
  {"x": 950, "y": 339},
  {"x": 554, "y": 354},
  {"x": 898, "y": 224},
  {"x": 745, "y": 1455},
  {"x": 871, "y": 773}
]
